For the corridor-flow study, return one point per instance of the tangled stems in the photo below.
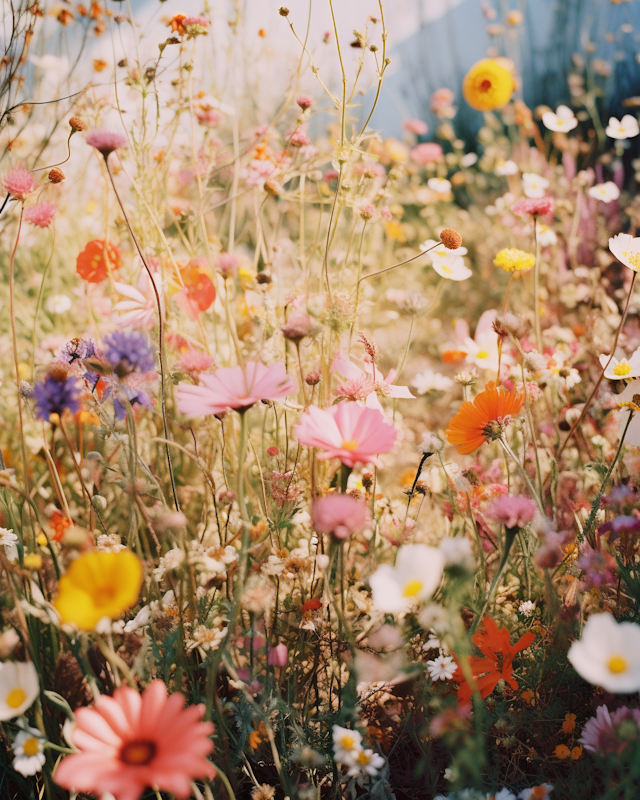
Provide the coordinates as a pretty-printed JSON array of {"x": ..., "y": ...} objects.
[{"x": 522, "y": 471}]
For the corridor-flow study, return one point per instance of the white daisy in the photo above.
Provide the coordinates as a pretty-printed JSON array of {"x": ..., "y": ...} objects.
[
  {"x": 366, "y": 762},
  {"x": 441, "y": 668},
  {"x": 534, "y": 185},
  {"x": 430, "y": 381},
  {"x": 7, "y": 537},
  {"x": 414, "y": 578},
  {"x": 626, "y": 249},
  {"x": 346, "y": 744},
  {"x": 504, "y": 168},
  {"x": 28, "y": 749},
  {"x": 563, "y": 120},
  {"x": 608, "y": 654},
  {"x": 623, "y": 369},
  {"x": 19, "y": 687},
  {"x": 606, "y": 192},
  {"x": 626, "y": 128}
]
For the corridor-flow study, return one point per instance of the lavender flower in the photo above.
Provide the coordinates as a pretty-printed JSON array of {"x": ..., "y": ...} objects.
[
  {"x": 129, "y": 351},
  {"x": 602, "y": 733},
  {"x": 598, "y": 568},
  {"x": 134, "y": 397},
  {"x": 57, "y": 393},
  {"x": 77, "y": 350}
]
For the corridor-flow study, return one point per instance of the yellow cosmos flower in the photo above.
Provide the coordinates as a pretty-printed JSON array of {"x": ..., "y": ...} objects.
[
  {"x": 512, "y": 260},
  {"x": 98, "y": 585},
  {"x": 488, "y": 85}
]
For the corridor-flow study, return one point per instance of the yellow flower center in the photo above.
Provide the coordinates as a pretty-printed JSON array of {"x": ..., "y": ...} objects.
[
  {"x": 534, "y": 185},
  {"x": 31, "y": 747},
  {"x": 447, "y": 270},
  {"x": 349, "y": 444},
  {"x": 622, "y": 368},
  {"x": 482, "y": 354},
  {"x": 347, "y": 742},
  {"x": 412, "y": 588},
  {"x": 363, "y": 758},
  {"x": 559, "y": 121},
  {"x": 617, "y": 664},
  {"x": 16, "y": 698}
]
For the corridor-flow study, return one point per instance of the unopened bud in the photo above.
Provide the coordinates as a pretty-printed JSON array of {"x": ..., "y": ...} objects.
[
  {"x": 450, "y": 239},
  {"x": 56, "y": 175},
  {"x": 77, "y": 124},
  {"x": 312, "y": 378}
]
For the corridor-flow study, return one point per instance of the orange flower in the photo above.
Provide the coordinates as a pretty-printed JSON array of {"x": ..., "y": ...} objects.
[
  {"x": 484, "y": 418},
  {"x": 453, "y": 356},
  {"x": 569, "y": 724},
  {"x": 58, "y": 524},
  {"x": 576, "y": 753},
  {"x": 198, "y": 285},
  {"x": 562, "y": 751},
  {"x": 497, "y": 662},
  {"x": 91, "y": 264}
]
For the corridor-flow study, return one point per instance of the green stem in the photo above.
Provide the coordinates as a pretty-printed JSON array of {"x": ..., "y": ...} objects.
[
  {"x": 523, "y": 472},
  {"x": 511, "y": 534},
  {"x": 536, "y": 286}
]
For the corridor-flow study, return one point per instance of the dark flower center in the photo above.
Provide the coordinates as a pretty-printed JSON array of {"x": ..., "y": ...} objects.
[
  {"x": 485, "y": 85},
  {"x": 138, "y": 753}
]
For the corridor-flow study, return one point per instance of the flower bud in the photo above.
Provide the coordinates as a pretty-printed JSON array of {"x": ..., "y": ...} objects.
[
  {"x": 77, "y": 124},
  {"x": 450, "y": 239},
  {"x": 56, "y": 175}
]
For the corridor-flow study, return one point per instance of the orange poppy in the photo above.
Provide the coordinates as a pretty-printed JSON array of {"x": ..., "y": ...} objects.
[
  {"x": 198, "y": 285},
  {"x": 496, "y": 662},
  {"x": 58, "y": 524},
  {"x": 453, "y": 356},
  {"x": 91, "y": 264},
  {"x": 483, "y": 418}
]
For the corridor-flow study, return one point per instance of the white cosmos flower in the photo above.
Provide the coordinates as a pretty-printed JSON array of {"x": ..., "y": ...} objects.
[
  {"x": 535, "y": 793},
  {"x": 623, "y": 369},
  {"x": 441, "y": 668},
  {"x": 366, "y": 762},
  {"x": 546, "y": 235},
  {"x": 606, "y": 192},
  {"x": 626, "y": 128},
  {"x": 608, "y": 654},
  {"x": 414, "y": 578},
  {"x": 563, "y": 120},
  {"x": 534, "y": 185},
  {"x": 483, "y": 351},
  {"x": 506, "y": 168},
  {"x": 430, "y": 381},
  {"x": 439, "y": 185},
  {"x": 28, "y": 749},
  {"x": 440, "y": 250},
  {"x": 447, "y": 263},
  {"x": 19, "y": 688},
  {"x": 632, "y": 437},
  {"x": 626, "y": 248},
  {"x": 346, "y": 744}
]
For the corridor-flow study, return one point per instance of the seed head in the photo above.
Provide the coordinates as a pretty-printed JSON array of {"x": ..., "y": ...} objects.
[
  {"x": 56, "y": 175},
  {"x": 77, "y": 124},
  {"x": 450, "y": 239},
  {"x": 283, "y": 11}
]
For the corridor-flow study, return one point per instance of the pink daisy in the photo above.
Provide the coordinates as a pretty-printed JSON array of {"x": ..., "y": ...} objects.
[
  {"x": 19, "y": 182},
  {"x": 339, "y": 514},
  {"x": 234, "y": 387},
  {"x": 41, "y": 214},
  {"x": 130, "y": 742},
  {"x": 355, "y": 434}
]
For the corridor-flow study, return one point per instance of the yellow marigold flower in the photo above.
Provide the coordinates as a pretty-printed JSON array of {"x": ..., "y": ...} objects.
[
  {"x": 98, "y": 585},
  {"x": 488, "y": 85},
  {"x": 512, "y": 260}
]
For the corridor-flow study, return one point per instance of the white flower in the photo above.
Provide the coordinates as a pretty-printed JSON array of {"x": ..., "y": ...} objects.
[
  {"x": 441, "y": 668},
  {"x": 58, "y": 304},
  {"x": 19, "y": 687},
  {"x": 623, "y": 369},
  {"x": 28, "y": 749},
  {"x": 606, "y": 192},
  {"x": 346, "y": 744},
  {"x": 447, "y": 263},
  {"x": 468, "y": 159},
  {"x": 546, "y": 235},
  {"x": 526, "y": 608},
  {"x": 626, "y": 128},
  {"x": 504, "y": 794},
  {"x": 7, "y": 537},
  {"x": 528, "y": 794},
  {"x": 430, "y": 381},
  {"x": 430, "y": 443},
  {"x": 626, "y": 249},
  {"x": 439, "y": 185},
  {"x": 506, "y": 168},
  {"x": 437, "y": 249},
  {"x": 457, "y": 552},
  {"x": 563, "y": 120},
  {"x": 366, "y": 762},
  {"x": 414, "y": 578},
  {"x": 534, "y": 185},
  {"x": 608, "y": 654}
]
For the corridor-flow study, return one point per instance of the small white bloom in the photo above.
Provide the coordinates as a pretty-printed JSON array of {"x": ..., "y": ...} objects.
[
  {"x": 528, "y": 794},
  {"x": 606, "y": 192},
  {"x": 8, "y": 537},
  {"x": 626, "y": 128},
  {"x": 504, "y": 168},
  {"x": 534, "y": 185},
  {"x": 439, "y": 185},
  {"x": 346, "y": 744},
  {"x": 457, "y": 552},
  {"x": 563, "y": 120},
  {"x": 526, "y": 608},
  {"x": 623, "y": 369},
  {"x": 441, "y": 668},
  {"x": 468, "y": 159},
  {"x": 626, "y": 249},
  {"x": 546, "y": 235},
  {"x": 608, "y": 654},
  {"x": 505, "y": 794},
  {"x": 430, "y": 443},
  {"x": 430, "y": 381},
  {"x": 58, "y": 304},
  {"x": 366, "y": 762},
  {"x": 28, "y": 749},
  {"x": 414, "y": 578},
  {"x": 19, "y": 687}
]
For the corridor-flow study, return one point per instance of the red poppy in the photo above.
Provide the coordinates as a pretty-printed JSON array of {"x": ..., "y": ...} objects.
[
  {"x": 91, "y": 264},
  {"x": 311, "y": 605},
  {"x": 497, "y": 662},
  {"x": 198, "y": 285}
]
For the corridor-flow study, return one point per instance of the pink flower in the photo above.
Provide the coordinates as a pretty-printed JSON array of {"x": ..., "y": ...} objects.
[
  {"x": 513, "y": 512},
  {"x": 415, "y": 126},
  {"x": 106, "y": 141},
  {"x": 541, "y": 206},
  {"x": 194, "y": 361},
  {"x": 427, "y": 153},
  {"x": 278, "y": 655},
  {"x": 19, "y": 182},
  {"x": 374, "y": 379},
  {"x": 234, "y": 387},
  {"x": 348, "y": 431},
  {"x": 298, "y": 326},
  {"x": 442, "y": 99},
  {"x": 599, "y": 735},
  {"x": 339, "y": 514},
  {"x": 188, "y": 21},
  {"x": 208, "y": 116},
  {"x": 227, "y": 263},
  {"x": 41, "y": 214},
  {"x": 299, "y": 139},
  {"x": 139, "y": 309},
  {"x": 386, "y": 214},
  {"x": 130, "y": 742},
  {"x": 305, "y": 102}
]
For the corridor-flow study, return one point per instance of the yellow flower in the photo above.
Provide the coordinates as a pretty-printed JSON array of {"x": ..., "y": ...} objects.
[
  {"x": 512, "y": 260},
  {"x": 98, "y": 585},
  {"x": 32, "y": 561},
  {"x": 488, "y": 85}
]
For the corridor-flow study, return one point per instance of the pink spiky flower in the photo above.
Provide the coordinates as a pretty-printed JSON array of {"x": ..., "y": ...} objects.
[
  {"x": 513, "y": 512},
  {"x": 129, "y": 743},
  {"x": 234, "y": 387},
  {"x": 19, "y": 182},
  {"x": 41, "y": 215},
  {"x": 538, "y": 206},
  {"x": 348, "y": 431},
  {"x": 106, "y": 141},
  {"x": 305, "y": 102}
]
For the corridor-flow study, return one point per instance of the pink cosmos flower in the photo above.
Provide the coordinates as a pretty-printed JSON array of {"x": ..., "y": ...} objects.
[
  {"x": 513, "y": 512},
  {"x": 106, "y": 141},
  {"x": 415, "y": 126},
  {"x": 129, "y": 743},
  {"x": 427, "y": 153},
  {"x": 208, "y": 116},
  {"x": 234, "y": 387},
  {"x": 369, "y": 377},
  {"x": 600, "y": 734},
  {"x": 41, "y": 214},
  {"x": 187, "y": 21},
  {"x": 339, "y": 514},
  {"x": 348, "y": 431},
  {"x": 19, "y": 182},
  {"x": 139, "y": 309},
  {"x": 541, "y": 206}
]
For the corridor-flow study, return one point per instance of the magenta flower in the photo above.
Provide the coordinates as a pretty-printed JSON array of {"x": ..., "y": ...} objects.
[
  {"x": 106, "y": 141},
  {"x": 513, "y": 512},
  {"x": 129, "y": 743},
  {"x": 234, "y": 387},
  {"x": 540, "y": 207},
  {"x": 427, "y": 153},
  {"x": 19, "y": 182},
  {"x": 278, "y": 655},
  {"x": 348, "y": 431},
  {"x": 41, "y": 214},
  {"x": 600, "y": 734},
  {"x": 339, "y": 514}
]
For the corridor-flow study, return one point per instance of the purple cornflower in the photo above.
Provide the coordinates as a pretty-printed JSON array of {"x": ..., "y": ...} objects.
[
  {"x": 601, "y": 734},
  {"x": 57, "y": 393},
  {"x": 134, "y": 396},
  {"x": 598, "y": 568},
  {"x": 620, "y": 527},
  {"x": 106, "y": 141},
  {"x": 129, "y": 351},
  {"x": 76, "y": 350},
  {"x": 513, "y": 512}
]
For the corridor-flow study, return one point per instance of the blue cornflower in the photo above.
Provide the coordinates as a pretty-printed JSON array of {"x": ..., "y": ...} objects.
[
  {"x": 57, "y": 393},
  {"x": 129, "y": 351}
]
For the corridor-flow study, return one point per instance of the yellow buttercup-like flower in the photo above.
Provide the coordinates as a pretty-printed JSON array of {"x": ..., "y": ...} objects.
[
  {"x": 98, "y": 585},
  {"x": 488, "y": 85},
  {"x": 512, "y": 260}
]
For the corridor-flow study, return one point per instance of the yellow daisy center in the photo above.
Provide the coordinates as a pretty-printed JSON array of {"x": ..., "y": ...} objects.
[
  {"x": 412, "y": 588},
  {"x": 349, "y": 444},
  {"x": 31, "y": 747},
  {"x": 617, "y": 665},
  {"x": 16, "y": 697},
  {"x": 347, "y": 742},
  {"x": 482, "y": 354},
  {"x": 363, "y": 758},
  {"x": 622, "y": 368}
]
